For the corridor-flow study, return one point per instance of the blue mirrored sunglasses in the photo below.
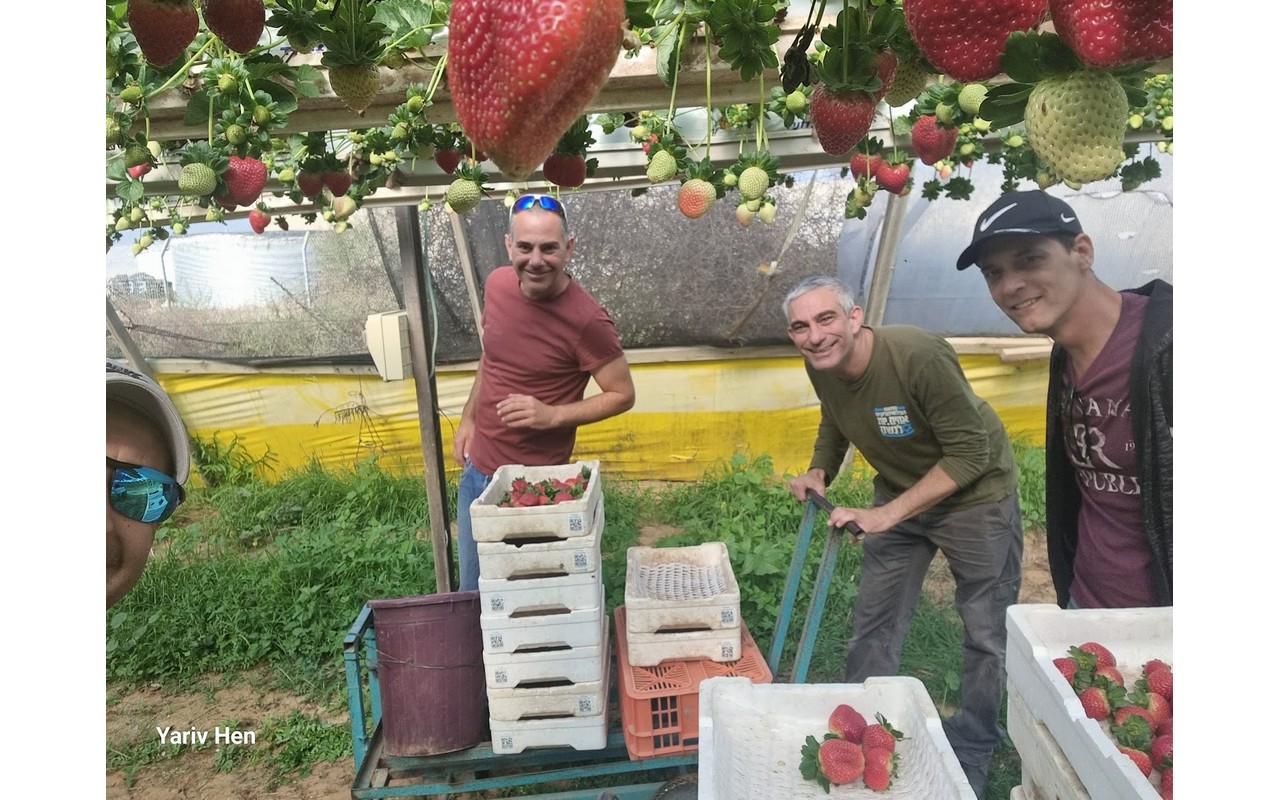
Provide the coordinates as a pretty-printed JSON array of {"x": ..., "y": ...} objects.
[
  {"x": 142, "y": 493},
  {"x": 528, "y": 201}
]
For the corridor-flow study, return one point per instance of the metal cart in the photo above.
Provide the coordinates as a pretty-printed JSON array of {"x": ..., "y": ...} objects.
[{"x": 479, "y": 769}]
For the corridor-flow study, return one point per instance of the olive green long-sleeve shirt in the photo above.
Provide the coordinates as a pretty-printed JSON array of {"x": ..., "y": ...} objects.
[{"x": 912, "y": 409}]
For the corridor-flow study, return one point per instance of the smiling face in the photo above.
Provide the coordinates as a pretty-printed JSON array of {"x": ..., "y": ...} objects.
[
  {"x": 1036, "y": 280},
  {"x": 131, "y": 438},
  {"x": 539, "y": 249},
  {"x": 824, "y": 332}
]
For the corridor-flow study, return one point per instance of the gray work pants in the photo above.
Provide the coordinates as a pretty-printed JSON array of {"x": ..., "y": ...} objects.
[{"x": 983, "y": 546}]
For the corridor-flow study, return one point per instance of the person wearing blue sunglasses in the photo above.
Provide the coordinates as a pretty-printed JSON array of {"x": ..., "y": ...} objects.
[
  {"x": 148, "y": 460},
  {"x": 544, "y": 337}
]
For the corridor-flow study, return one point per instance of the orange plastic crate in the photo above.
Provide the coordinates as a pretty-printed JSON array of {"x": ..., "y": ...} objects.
[{"x": 659, "y": 704}]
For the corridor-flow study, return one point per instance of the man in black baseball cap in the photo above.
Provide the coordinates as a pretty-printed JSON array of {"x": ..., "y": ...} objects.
[{"x": 1109, "y": 427}]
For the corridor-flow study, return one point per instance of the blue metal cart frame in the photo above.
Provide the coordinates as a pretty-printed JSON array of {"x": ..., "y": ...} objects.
[{"x": 479, "y": 769}]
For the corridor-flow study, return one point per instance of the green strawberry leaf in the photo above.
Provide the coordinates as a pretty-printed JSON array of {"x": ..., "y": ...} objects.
[
  {"x": 1005, "y": 104},
  {"x": 130, "y": 191},
  {"x": 672, "y": 41},
  {"x": 411, "y": 23},
  {"x": 1021, "y": 57},
  {"x": 638, "y": 14},
  {"x": 197, "y": 111},
  {"x": 959, "y": 188},
  {"x": 1056, "y": 56}
]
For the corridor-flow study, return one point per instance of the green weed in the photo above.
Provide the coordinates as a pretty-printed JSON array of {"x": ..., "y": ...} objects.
[{"x": 230, "y": 464}]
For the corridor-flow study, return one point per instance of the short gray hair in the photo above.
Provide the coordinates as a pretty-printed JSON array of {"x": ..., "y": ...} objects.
[{"x": 843, "y": 294}]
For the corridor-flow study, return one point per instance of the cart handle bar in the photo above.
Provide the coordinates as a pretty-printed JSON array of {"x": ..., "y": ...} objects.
[{"x": 826, "y": 505}]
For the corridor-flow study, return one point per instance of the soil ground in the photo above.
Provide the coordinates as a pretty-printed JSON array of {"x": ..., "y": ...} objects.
[{"x": 193, "y": 774}]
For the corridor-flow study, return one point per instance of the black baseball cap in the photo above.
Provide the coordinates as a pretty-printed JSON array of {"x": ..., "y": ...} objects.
[{"x": 1020, "y": 212}]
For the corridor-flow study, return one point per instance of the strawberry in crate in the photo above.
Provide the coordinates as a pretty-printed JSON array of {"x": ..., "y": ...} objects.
[{"x": 548, "y": 491}]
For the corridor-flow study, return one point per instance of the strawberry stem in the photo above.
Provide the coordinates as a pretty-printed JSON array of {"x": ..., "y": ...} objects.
[
  {"x": 706, "y": 140},
  {"x": 181, "y": 74},
  {"x": 675, "y": 77},
  {"x": 762, "y": 138}
]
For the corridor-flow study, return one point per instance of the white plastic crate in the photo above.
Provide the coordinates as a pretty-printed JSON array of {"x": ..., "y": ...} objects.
[
  {"x": 1046, "y": 773},
  {"x": 505, "y": 634},
  {"x": 493, "y": 523},
  {"x": 580, "y": 733},
  {"x": 1018, "y": 794},
  {"x": 584, "y": 699},
  {"x": 577, "y": 664},
  {"x": 651, "y": 649},
  {"x": 681, "y": 589},
  {"x": 534, "y": 597},
  {"x": 1040, "y": 633},
  {"x": 522, "y": 557},
  {"x": 750, "y": 735}
]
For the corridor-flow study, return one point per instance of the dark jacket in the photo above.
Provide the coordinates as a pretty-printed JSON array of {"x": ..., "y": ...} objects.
[{"x": 1151, "y": 409}]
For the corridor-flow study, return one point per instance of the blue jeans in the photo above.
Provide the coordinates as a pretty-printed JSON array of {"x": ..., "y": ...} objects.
[
  {"x": 983, "y": 546},
  {"x": 471, "y": 484}
]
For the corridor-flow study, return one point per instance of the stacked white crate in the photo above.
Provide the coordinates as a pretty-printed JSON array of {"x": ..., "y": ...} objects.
[
  {"x": 682, "y": 603},
  {"x": 546, "y": 643},
  {"x": 1064, "y": 753}
]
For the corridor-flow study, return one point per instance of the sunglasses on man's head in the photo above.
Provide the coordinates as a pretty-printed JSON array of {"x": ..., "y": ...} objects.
[
  {"x": 546, "y": 201},
  {"x": 142, "y": 493}
]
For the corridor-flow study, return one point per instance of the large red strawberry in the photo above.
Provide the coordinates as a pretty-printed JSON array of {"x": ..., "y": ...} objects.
[
  {"x": 931, "y": 141},
  {"x": 521, "y": 71},
  {"x": 245, "y": 179},
  {"x": 1160, "y": 681},
  {"x": 565, "y": 170},
  {"x": 163, "y": 28},
  {"x": 847, "y": 722},
  {"x": 842, "y": 761},
  {"x": 259, "y": 220},
  {"x": 1124, "y": 712},
  {"x": 863, "y": 165},
  {"x": 1113, "y": 33},
  {"x": 1104, "y": 656},
  {"x": 447, "y": 158},
  {"x": 338, "y": 181},
  {"x": 1095, "y": 702},
  {"x": 1166, "y": 783},
  {"x": 878, "y": 768},
  {"x": 238, "y": 23},
  {"x": 893, "y": 177},
  {"x": 1140, "y": 758},
  {"x": 311, "y": 183},
  {"x": 964, "y": 38},
  {"x": 840, "y": 119},
  {"x": 1162, "y": 751}
]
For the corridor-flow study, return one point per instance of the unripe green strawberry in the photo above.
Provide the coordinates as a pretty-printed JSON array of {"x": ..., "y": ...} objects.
[
  {"x": 730, "y": 179},
  {"x": 640, "y": 133},
  {"x": 462, "y": 195},
  {"x": 122, "y": 223},
  {"x": 415, "y": 103},
  {"x": 908, "y": 82},
  {"x": 301, "y": 44},
  {"x": 662, "y": 167},
  {"x": 236, "y": 134},
  {"x": 797, "y": 102},
  {"x": 1135, "y": 121},
  {"x": 113, "y": 131},
  {"x": 767, "y": 213},
  {"x": 286, "y": 175},
  {"x": 197, "y": 180},
  {"x": 981, "y": 125},
  {"x": 356, "y": 85},
  {"x": 753, "y": 205},
  {"x": 753, "y": 183},
  {"x": 343, "y": 206},
  {"x": 131, "y": 94},
  {"x": 1167, "y": 123},
  {"x": 261, "y": 115},
  {"x": 341, "y": 226},
  {"x": 136, "y": 248},
  {"x": 745, "y": 215},
  {"x": 1076, "y": 123},
  {"x": 179, "y": 228},
  {"x": 944, "y": 112},
  {"x": 971, "y": 97},
  {"x": 227, "y": 83},
  {"x": 1014, "y": 141},
  {"x": 145, "y": 240},
  {"x": 135, "y": 214},
  {"x": 154, "y": 148}
]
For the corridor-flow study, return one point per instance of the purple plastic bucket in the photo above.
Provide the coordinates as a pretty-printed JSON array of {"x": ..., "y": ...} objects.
[{"x": 431, "y": 669}]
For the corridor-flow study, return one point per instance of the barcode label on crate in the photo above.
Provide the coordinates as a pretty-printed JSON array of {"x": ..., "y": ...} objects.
[
  {"x": 728, "y": 615},
  {"x": 580, "y": 560},
  {"x": 587, "y": 704},
  {"x": 496, "y": 603},
  {"x": 575, "y": 523},
  {"x": 727, "y": 650},
  {"x": 499, "y": 676},
  {"x": 495, "y": 641},
  {"x": 506, "y": 743}
]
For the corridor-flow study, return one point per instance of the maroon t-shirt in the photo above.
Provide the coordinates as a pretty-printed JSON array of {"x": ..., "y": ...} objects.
[
  {"x": 1113, "y": 558},
  {"x": 543, "y": 348}
]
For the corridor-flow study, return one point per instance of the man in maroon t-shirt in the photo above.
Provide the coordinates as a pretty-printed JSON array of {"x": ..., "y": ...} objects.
[
  {"x": 544, "y": 337},
  {"x": 1109, "y": 432}
]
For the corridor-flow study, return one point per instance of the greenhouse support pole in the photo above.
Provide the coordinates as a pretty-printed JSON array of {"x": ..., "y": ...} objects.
[
  {"x": 886, "y": 254},
  {"x": 413, "y": 268},
  {"x": 126, "y": 341}
]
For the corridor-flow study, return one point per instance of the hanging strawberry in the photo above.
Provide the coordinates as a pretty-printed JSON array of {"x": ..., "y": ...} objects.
[
  {"x": 842, "y": 105},
  {"x": 163, "y": 28},
  {"x": 521, "y": 71},
  {"x": 568, "y": 167},
  {"x": 238, "y": 23},
  {"x": 965, "y": 38},
  {"x": 353, "y": 42}
]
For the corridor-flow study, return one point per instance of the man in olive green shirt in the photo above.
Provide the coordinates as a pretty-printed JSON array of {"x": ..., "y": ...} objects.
[{"x": 945, "y": 480}]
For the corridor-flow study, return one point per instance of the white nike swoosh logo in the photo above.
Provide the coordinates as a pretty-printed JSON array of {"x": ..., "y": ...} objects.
[
  {"x": 1065, "y": 218},
  {"x": 986, "y": 223}
]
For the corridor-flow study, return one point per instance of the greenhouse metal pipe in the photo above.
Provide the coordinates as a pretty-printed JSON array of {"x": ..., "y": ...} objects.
[
  {"x": 886, "y": 253},
  {"x": 468, "y": 272},
  {"x": 413, "y": 267},
  {"x": 126, "y": 341}
]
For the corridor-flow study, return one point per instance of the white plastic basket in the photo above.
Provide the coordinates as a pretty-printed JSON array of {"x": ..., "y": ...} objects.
[
  {"x": 576, "y": 664},
  {"x": 1039, "y": 633},
  {"x": 521, "y": 557},
  {"x": 750, "y": 735},
  {"x": 505, "y": 634},
  {"x": 493, "y": 523},
  {"x": 681, "y": 589},
  {"x": 535, "y": 597},
  {"x": 651, "y": 649}
]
